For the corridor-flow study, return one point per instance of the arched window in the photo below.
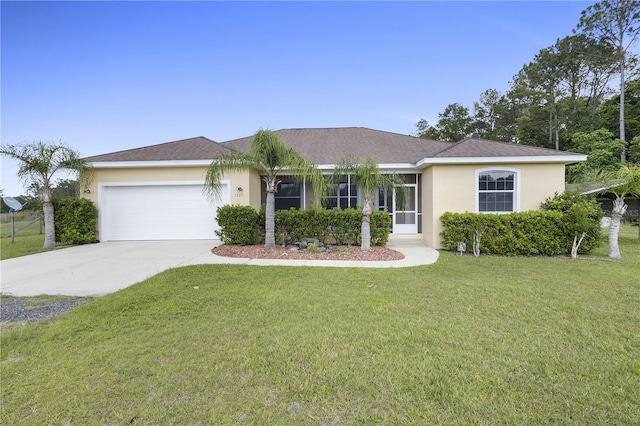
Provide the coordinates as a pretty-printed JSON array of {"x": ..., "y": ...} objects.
[{"x": 497, "y": 190}]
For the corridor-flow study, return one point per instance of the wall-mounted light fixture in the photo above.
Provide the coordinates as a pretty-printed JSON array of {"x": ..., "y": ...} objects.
[
  {"x": 87, "y": 191},
  {"x": 239, "y": 189}
]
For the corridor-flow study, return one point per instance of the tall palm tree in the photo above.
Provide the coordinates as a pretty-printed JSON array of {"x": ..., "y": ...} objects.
[
  {"x": 39, "y": 162},
  {"x": 271, "y": 158},
  {"x": 367, "y": 175}
]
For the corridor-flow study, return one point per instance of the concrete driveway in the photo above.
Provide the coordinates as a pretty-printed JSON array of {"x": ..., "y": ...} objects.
[{"x": 97, "y": 269}]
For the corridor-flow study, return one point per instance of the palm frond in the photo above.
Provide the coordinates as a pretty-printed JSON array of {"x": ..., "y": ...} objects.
[
  {"x": 267, "y": 146},
  {"x": 224, "y": 164},
  {"x": 39, "y": 161},
  {"x": 297, "y": 165}
]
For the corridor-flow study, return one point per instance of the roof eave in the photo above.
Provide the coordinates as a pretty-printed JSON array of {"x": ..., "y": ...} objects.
[
  {"x": 565, "y": 159},
  {"x": 147, "y": 164}
]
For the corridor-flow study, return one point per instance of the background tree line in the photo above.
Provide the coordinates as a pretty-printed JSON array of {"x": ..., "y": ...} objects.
[{"x": 582, "y": 94}]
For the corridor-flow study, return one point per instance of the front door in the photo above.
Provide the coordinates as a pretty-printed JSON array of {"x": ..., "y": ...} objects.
[{"x": 405, "y": 217}]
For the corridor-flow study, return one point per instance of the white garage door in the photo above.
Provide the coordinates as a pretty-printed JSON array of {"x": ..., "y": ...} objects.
[{"x": 158, "y": 212}]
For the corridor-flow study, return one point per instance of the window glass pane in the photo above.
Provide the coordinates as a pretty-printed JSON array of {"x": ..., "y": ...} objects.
[
  {"x": 495, "y": 201},
  {"x": 483, "y": 181},
  {"x": 405, "y": 218},
  {"x": 409, "y": 178},
  {"x": 288, "y": 189},
  {"x": 288, "y": 195},
  {"x": 409, "y": 200},
  {"x": 287, "y": 203},
  {"x": 496, "y": 191},
  {"x": 343, "y": 194},
  {"x": 504, "y": 202},
  {"x": 510, "y": 184}
]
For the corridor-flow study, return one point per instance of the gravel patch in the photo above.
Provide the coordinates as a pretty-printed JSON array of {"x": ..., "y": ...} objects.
[{"x": 14, "y": 309}]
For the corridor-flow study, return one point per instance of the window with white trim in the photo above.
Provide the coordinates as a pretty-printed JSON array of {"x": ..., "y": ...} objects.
[
  {"x": 344, "y": 194},
  {"x": 496, "y": 191}
]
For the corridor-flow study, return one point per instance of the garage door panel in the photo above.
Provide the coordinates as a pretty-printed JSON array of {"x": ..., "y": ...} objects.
[{"x": 158, "y": 212}]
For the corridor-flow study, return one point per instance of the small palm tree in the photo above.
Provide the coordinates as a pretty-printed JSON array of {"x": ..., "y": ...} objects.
[
  {"x": 271, "y": 158},
  {"x": 367, "y": 175},
  {"x": 39, "y": 162},
  {"x": 622, "y": 183}
]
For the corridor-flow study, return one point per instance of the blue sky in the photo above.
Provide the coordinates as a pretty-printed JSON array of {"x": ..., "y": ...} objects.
[{"x": 109, "y": 76}]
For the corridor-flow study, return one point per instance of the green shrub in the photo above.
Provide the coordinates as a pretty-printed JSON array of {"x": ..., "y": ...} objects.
[
  {"x": 345, "y": 225},
  {"x": 582, "y": 213},
  {"x": 243, "y": 225},
  {"x": 237, "y": 224},
  {"x": 380, "y": 228},
  {"x": 75, "y": 220},
  {"x": 547, "y": 233},
  {"x": 515, "y": 234}
]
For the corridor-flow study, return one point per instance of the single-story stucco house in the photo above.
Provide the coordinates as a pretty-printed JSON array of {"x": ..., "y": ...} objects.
[{"x": 155, "y": 192}]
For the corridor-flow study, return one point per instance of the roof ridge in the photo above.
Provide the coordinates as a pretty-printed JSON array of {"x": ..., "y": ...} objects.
[{"x": 446, "y": 148}]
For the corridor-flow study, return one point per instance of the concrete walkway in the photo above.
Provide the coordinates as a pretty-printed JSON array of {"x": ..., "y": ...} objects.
[{"x": 98, "y": 269}]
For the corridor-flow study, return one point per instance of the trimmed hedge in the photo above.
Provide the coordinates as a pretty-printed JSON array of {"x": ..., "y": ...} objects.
[
  {"x": 243, "y": 225},
  {"x": 515, "y": 234},
  {"x": 575, "y": 207},
  {"x": 548, "y": 232},
  {"x": 75, "y": 220},
  {"x": 237, "y": 225}
]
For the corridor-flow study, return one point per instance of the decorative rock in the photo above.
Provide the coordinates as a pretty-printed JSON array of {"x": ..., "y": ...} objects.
[{"x": 306, "y": 243}]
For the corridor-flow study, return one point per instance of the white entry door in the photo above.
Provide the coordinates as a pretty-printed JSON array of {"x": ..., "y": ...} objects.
[{"x": 405, "y": 217}]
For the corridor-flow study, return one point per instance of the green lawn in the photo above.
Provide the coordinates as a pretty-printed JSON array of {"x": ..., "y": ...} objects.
[
  {"x": 486, "y": 340},
  {"x": 26, "y": 241}
]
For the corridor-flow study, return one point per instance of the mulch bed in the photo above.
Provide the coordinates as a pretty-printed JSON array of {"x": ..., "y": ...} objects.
[{"x": 342, "y": 253}]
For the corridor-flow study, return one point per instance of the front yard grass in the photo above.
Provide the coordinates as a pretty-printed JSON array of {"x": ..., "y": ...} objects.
[
  {"x": 486, "y": 340},
  {"x": 26, "y": 241}
]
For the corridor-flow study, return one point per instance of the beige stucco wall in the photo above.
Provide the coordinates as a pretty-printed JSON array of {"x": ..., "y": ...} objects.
[
  {"x": 250, "y": 183},
  {"x": 451, "y": 188},
  {"x": 444, "y": 187}
]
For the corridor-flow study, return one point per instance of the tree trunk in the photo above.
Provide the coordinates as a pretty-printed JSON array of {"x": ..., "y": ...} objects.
[
  {"x": 365, "y": 232},
  {"x": 550, "y": 129},
  {"x": 269, "y": 222},
  {"x": 49, "y": 224},
  {"x": 623, "y": 154},
  {"x": 619, "y": 208},
  {"x": 477, "y": 235},
  {"x": 576, "y": 245}
]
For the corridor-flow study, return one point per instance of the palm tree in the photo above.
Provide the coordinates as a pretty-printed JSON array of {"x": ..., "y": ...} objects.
[
  {"x": 622, "y": 183},
  {"x": 366, "y": 174},
  {"x": 271, "y": 158},
  {"x": 39, "y": 162}
]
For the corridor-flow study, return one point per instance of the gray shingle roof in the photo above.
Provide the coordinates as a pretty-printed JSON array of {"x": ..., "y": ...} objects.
[
  {"x": 198, "y": 148},
  {"x": 329, "y": 145},
  {"x": 485, "y": 148}
]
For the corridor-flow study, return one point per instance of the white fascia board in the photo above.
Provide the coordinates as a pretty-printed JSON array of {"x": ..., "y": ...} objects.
[
  {"x": 142, "y": 164},
  {"x": 155, "y": 183},
  {"x": 566, "y": 159},
  {"x": 381, "y": 166}
]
